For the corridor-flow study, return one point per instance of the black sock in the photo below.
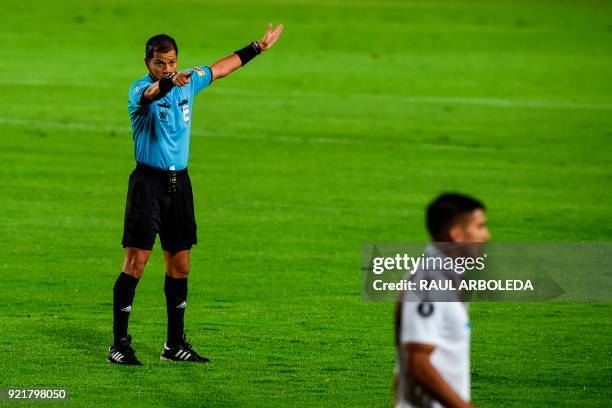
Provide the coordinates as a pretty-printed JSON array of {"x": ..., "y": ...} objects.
[
  {"x": 123, "y": 295},
  {"x": 176, "y": 301}
]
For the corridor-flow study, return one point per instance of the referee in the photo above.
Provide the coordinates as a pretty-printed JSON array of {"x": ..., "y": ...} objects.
[{"x": 159, "y": 198}]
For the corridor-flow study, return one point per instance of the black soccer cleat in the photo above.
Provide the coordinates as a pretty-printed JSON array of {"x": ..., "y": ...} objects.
[
  {"x": 123, "y": 353},
  {"x": 182, "y": 352}
]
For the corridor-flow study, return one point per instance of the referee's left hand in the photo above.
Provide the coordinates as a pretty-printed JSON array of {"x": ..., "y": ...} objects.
[
  {"x": 182, "y": 78},
  {"x": 270, "y": 36}
]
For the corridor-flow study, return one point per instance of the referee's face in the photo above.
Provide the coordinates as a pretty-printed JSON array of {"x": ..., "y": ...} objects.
[{"x": 162, "y": 63}]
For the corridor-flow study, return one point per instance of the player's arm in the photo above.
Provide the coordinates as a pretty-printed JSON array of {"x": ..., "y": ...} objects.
[
  {"x": 237, "y": 59},
  {"x": 160, "y": 88},
  {"x": 424, "y": 373}
]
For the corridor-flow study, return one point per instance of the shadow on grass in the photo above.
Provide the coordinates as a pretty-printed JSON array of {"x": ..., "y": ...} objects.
[{"x": 81, "y": 345}]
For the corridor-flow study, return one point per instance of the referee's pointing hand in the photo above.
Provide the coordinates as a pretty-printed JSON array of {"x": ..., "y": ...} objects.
[{"x": 182, "y": 78}]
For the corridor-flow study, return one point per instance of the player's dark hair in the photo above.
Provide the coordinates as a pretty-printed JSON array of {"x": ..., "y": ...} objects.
[
  {"x": 160, "y": 43},
  {"x": 445, "y": 211}
]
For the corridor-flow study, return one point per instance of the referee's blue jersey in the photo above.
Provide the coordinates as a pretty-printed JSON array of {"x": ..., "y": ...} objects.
[{"x": 162, "y": 128}]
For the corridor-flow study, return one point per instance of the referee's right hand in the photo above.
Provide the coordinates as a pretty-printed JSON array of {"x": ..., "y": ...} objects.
[{"x": 182, "y": 78}]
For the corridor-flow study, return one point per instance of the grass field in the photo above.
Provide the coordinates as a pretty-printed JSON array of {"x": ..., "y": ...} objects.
[{"x": 341, "y": 134}]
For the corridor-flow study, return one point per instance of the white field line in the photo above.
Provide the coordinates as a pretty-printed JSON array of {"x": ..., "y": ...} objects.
[
  {"x": 91, "y": 127},
  {"x": 510, "y": 103},
  {"x": 440, "y": 100},
  {"x": 399, "y": 99}
]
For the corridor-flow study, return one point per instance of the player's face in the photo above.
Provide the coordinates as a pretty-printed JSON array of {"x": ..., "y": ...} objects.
[
  {"x": 162, "y": 63},
  {"x": 473, "y": 228}
]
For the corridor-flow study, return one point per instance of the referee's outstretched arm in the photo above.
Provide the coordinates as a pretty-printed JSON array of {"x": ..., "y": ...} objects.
[
  {"x": 235, "y": 60},
  {"x": 220, "y": 68}
]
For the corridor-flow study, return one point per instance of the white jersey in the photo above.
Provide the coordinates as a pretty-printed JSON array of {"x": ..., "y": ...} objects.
[{"x": 444, "y": 325}]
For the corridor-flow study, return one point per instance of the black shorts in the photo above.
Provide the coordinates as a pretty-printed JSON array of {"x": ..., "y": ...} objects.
[{"x": 158, "y": 203}]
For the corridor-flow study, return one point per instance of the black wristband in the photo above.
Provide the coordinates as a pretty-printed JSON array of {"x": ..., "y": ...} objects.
[
  {"x": 248, "y": 53},
  {"x": 166, "y": 84}
]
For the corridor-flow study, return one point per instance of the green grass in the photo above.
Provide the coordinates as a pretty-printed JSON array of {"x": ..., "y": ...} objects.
[{"x": 339, "y": 135}]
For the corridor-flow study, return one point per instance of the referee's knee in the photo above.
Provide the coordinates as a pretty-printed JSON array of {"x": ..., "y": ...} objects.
[
  {"x": 134, "y": 264},
  {"x": 134, "y": 268},
  {"x": 180, "y": 271}
]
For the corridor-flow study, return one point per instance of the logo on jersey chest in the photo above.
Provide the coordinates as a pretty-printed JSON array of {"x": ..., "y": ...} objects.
[
  {"x": 183, "y": 106},
  {"x": 425, "y": 309}
]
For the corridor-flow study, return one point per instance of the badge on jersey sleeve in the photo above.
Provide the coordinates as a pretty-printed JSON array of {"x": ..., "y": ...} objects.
[{"x": 199, "y": 71}]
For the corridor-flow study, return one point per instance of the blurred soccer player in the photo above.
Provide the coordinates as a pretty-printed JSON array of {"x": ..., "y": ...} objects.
[
  {"x": 433, "y": 338},
  {"x": 160, "y": 199}
]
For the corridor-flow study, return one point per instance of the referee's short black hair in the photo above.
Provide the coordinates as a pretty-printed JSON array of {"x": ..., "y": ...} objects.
[
  {"x": 160, "y": 43},
  {"x": 445, "y": 211}
]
